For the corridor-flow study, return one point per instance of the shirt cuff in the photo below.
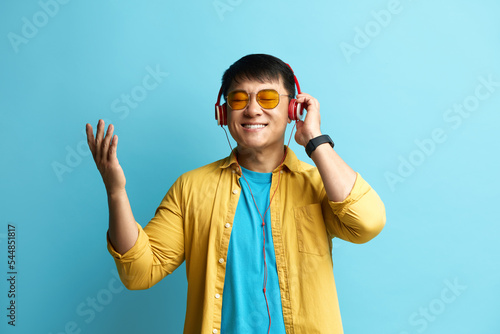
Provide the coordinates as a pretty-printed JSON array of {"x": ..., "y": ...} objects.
[{"x": 133, "y": 253}]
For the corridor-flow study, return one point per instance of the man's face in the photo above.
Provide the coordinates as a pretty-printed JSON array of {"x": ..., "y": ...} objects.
[{"x": 254, "y": 127}]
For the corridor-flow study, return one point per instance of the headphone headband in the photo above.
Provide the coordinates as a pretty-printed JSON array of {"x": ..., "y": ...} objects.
[{"x": 295, "y": 79}]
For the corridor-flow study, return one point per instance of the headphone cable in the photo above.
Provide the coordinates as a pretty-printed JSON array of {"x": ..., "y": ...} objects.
[{"x": 263, "y": 217}]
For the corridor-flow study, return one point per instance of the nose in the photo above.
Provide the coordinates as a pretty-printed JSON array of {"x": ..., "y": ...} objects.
[{"x": 253, "y": 108}]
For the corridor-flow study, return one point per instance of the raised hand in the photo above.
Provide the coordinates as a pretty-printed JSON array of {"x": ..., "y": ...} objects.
[
  {"x": 103, "y": 150},
  {"x": 310, "y": 127}
]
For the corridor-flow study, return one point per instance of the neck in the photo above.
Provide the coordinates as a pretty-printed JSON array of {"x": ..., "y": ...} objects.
[{"x": 259, "y": 161}]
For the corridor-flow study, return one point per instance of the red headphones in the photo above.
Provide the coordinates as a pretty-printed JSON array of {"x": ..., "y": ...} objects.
[{"x": 295, "y": 109}]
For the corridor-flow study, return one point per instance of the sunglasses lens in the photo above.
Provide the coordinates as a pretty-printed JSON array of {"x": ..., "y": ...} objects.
[
  {"x": 268, "y": 98},
  {"x": 237, "y": 100}
]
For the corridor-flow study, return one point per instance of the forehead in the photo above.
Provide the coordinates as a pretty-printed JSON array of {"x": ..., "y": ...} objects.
[{"x": 249, "y": 85}]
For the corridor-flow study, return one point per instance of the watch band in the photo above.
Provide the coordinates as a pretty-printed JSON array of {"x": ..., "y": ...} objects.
[{"x": 315, "y": 142}]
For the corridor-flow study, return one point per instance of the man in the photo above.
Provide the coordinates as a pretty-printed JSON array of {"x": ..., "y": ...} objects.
[{"x": 255, "y": 228}]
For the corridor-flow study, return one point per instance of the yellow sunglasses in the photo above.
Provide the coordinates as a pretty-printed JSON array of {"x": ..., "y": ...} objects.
[{"x": 266, "y": 98}]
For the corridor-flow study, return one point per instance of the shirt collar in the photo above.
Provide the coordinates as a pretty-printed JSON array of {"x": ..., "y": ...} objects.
[{"x": 291, "y": 161}]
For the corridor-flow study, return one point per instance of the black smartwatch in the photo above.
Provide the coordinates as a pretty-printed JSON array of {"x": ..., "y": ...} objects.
[{"x": 315, "y": 142}]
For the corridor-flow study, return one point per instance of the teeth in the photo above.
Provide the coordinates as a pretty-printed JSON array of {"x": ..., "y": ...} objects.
[{"x": 254, "y": 126}]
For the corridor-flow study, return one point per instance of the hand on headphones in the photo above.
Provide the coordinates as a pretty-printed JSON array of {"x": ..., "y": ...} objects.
[{"x": 310, "y": 127}]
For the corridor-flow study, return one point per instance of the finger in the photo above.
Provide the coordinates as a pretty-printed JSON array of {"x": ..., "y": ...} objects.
[
  {"x": 90, "y": 138},
  {"x": 302, "y": 99},
  {"x": 308, "y": 100},
  {"x": 98, "y": 140},
  {"x": 112, "y": 148},
  {"x": 303, "y": 96},
  {"x": 106, "y": 142},
  {"x": 313, "y": 117},
  {"x": 310, "y": 104}
]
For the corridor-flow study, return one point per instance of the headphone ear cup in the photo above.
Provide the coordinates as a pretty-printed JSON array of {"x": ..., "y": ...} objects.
[
  {"x": 295, "y": 110},
  {"x": 292, "y": 110},
  {"x": 221, "y": 114},
  {"x": 299, "y": 111}
]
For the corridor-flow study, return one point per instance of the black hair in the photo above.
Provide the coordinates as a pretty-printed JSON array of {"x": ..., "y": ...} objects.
[{"x": 261, "y": 67}]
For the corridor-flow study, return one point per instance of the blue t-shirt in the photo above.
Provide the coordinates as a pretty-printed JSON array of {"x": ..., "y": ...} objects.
[{"x": 244, "y": 308}]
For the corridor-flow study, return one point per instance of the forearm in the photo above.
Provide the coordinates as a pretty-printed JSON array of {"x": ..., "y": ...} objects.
[
  {"x": 338, "y": 178},
  {"x": 122, "y": 226}
]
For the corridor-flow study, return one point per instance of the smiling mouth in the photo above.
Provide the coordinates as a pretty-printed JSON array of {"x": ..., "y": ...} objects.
[{"x": 254, "y": 126}]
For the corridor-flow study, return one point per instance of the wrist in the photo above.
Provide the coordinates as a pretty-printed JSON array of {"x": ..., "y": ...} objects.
[
  {"x": 116, "y": 193},
  {"x": 310, "y": 136},
  {"x": 313, "y": 143}
]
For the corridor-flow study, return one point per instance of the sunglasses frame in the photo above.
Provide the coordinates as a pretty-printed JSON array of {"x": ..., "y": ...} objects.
[{"x": 256, "y": 94}]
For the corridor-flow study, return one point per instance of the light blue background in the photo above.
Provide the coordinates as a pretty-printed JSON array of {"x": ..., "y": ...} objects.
[{"x": 442, "y": 225}]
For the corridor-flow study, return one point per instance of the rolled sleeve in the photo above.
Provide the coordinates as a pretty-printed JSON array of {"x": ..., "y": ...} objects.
[
  {"x": 361, "y": 215},
  {"x": 159, "y": 248},
  {"x": 132, "y": 265},
  {"x": 133, "y": 253}
]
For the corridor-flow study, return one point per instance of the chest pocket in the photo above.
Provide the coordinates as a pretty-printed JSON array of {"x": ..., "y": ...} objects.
[{"x": 311, "y": 230}]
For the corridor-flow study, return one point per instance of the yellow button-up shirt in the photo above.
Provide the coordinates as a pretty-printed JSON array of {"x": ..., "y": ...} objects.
[{"x": 194, "y": 222}]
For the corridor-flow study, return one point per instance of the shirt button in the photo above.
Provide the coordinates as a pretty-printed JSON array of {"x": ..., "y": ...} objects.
[
  {"x": 215, "y": 331},
  {"x": 227, "y": 225},
  {"x": 217, "y": 296},
  {"x": 233, "y": 173},
  {"x": 235, "y": 191},
  {"x": 281, "y": 171},
  {"x": 221, "y": 260}
]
